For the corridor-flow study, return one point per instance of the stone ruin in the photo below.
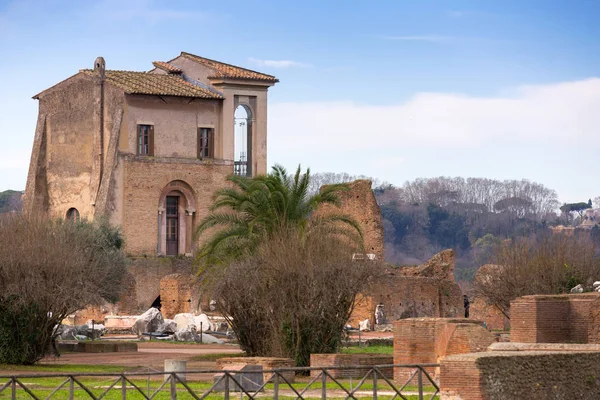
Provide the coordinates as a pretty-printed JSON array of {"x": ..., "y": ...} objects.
[
  {"x": 481, "y": 310},
  {"x": 427, "y": 290},
  {"x": 360, "y": 203},
  {"x": 567, "y": 318},
  {"x": 430, "y": 340}
]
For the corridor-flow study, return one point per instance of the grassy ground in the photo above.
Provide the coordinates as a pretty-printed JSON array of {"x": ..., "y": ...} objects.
[
  {"x": 42, "y": 387},
  {"x": 368, "y": 349}
]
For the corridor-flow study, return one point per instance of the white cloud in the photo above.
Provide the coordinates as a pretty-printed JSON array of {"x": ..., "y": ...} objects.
[
  {"x": 564, "y": 111},
  {"x": 545, "y": 133},
  {"x": 279, "y": 63}
]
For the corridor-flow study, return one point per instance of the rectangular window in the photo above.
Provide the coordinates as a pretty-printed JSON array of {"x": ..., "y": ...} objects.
[
  {"x": 145, "y": 140},
  {"x": 206, "y": 143}
]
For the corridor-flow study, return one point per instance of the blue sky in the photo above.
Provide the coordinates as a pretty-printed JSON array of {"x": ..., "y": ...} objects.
[{"x": 391, "y": 89}]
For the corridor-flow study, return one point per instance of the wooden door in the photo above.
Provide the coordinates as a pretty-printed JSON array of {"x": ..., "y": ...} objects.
[{"x": 172, "y": 225}]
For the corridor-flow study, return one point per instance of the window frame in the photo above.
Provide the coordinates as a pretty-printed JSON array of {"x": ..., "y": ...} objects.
[
  {"x": 140, "y": 136},
  {"x": 205, "y": 143}
]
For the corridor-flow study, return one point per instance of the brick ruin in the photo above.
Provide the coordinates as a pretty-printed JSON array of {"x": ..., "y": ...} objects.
[
  {"x": 177, "y": 295},
  {"x": 480, "y": 310},
  {"x": 360, "y": 203},
  {"x": 568, "y": 318},
  {"x": 426, "y": 290},
  {"x": 535, "y": 375},
  {"x": 429, "y": 340}
]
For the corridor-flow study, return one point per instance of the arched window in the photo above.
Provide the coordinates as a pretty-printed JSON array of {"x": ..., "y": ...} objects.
[
  {"x": 242, "y": 145},
  {"x": 73, "y": 215}
]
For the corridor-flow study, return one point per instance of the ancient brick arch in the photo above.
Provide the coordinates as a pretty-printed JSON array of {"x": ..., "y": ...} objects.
[{"x": 176, "y": 213}]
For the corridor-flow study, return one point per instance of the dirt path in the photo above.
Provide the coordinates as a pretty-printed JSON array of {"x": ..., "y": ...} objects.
[{"x": 149, "y": 355}]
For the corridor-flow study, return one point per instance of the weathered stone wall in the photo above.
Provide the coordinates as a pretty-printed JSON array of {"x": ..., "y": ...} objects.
[
  {"x": 176, "y": 294},
  {"x": 521, "y": 375},
  {"x": 343, "y": 360},
  {"x": 406, "y": 294},
  {"x": 429, "y": 340},
  {"x": 359, "y": 202},
  {"x": 68, "y": 158},
  {"x": 493, "y": 318},
  {"x": 571, "y": 318},
  {"x": 145, "y": 284}
]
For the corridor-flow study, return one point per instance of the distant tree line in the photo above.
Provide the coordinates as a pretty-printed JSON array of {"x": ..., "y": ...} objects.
[
  {"x": 11, "y": 200},
  {"x": 470, "y": 215}
]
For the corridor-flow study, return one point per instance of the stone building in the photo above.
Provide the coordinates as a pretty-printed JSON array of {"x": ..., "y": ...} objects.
[{"x": 147, "y": 150}]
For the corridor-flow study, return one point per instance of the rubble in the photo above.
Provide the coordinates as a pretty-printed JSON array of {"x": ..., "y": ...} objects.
[
  {"x": 150, "y": 321},
  {"x": 577, "y": 289},
  {"x": 364, "y": 326}
]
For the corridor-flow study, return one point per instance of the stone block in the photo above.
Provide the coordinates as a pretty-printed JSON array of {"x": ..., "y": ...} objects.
[
  {"x": 250, "y": 377},
  {"x": 267, "y": 364}
]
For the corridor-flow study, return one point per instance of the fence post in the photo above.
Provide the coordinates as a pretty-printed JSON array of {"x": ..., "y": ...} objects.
[
  {"x": 276, "y": 386},
  {"x": 324, "y": 384},
  {"x": 14, "y": 388},
  {"x": 71, "y": 387},
  {"x": 374, "y": 384},
  {"x": 173, "y": 386},
  {"x": 123, "y": 388},
  {"x": 420, "y": 380},
  {"x": 226, "y": 394}
]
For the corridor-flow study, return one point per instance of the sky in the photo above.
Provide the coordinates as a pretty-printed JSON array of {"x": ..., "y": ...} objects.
[{"x": 395, "y": 90}]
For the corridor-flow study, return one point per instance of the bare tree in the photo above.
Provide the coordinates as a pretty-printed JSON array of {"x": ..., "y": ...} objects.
[
  {"x": 48, "y": 270},
  {"x": 549, "y": 264},
  {"x": 294, "y": 296}
]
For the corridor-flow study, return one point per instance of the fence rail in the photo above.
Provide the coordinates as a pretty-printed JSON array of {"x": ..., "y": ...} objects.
[{"x": 322, "y": 385}]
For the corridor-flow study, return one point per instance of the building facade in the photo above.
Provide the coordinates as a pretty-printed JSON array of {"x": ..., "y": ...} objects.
[{"x": 147, "y": 150}]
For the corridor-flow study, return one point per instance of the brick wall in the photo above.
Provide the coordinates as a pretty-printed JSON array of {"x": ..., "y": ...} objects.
[
  {"x": 493, "y": 318},
  {"x": 341, "y": 360},
  {"x": 555, "y": 319},
  {"x": 359, "y": 202},
  {"x": 521, "y": 375},
  {"x": 429, "y": 340},
  {"x": 175, "y": 294},
  {"x": 144, "y": 180},
  {"x": 409, "y": 297}
]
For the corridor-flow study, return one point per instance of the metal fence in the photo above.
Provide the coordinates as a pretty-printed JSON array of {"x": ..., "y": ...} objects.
[{"x": 227, "y": 384}]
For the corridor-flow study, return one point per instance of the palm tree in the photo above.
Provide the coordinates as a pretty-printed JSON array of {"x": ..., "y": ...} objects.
[{"x": 257, "y": 208}]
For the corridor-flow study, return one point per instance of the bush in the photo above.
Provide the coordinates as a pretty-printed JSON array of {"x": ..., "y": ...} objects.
[
  {"x": 48, "y": 270},
  {"x": 294, "y": 296},
  {"x": 547, "y": 264}
]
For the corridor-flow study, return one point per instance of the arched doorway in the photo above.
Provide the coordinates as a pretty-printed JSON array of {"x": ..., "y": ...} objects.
[
  {"x": 242, "y": 145},
  {"x": 72, "y": 215},
  {"x": 176, "y": 211}
]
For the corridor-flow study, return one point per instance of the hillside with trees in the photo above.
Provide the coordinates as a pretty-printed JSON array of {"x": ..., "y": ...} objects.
[
  {"x": 469, "y": 215},
  {"x": 11, "y": 200}
]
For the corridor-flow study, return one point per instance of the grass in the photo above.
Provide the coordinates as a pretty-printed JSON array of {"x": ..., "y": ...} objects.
[
  {"x": 42, "y": 388},
  {"x": 377, "y": 349}
]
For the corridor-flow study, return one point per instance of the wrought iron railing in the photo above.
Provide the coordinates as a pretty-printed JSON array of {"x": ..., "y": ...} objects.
[{"x": 323, "y": 384}]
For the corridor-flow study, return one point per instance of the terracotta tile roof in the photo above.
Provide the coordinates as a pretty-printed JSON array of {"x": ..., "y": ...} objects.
[
  {"x": 229, "y": 71},
  {"x": 167, "y": 67},
  {"x": 155, "y": 84}
]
